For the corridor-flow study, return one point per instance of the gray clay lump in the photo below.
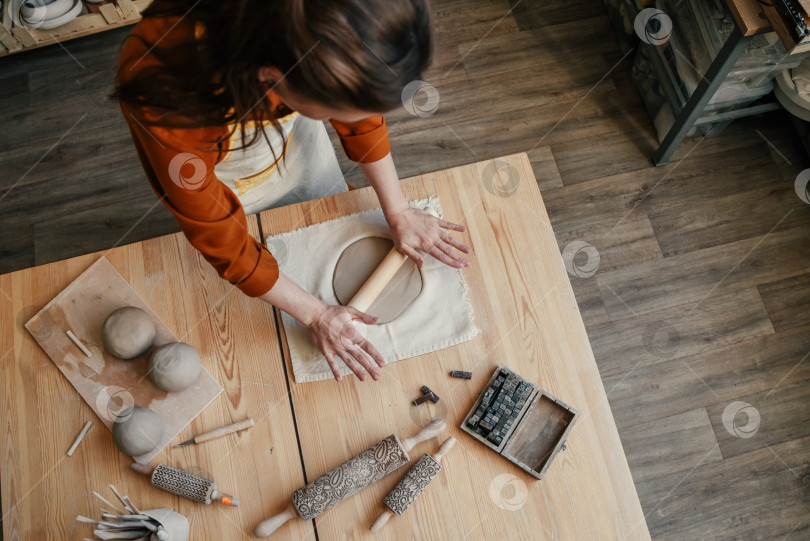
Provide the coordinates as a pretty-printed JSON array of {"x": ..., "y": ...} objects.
[
  {"x": 137, "y": 431},
  {"x": 174, "y": 366},
  {"x": 128, "y": 332}
]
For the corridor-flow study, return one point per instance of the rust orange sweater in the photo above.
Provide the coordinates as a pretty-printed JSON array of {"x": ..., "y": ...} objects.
[{"x": 209, "y": 213}]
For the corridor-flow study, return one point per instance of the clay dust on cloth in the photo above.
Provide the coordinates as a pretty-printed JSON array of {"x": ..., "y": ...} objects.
[{"x": 440, "y": 317}]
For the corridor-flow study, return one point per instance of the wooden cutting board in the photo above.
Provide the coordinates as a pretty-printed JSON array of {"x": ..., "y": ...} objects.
[{"x": 106, "y": 383}]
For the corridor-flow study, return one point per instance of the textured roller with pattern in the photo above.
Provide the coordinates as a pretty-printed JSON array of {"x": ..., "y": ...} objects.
[
  {"x": 182, "y": 483},
  {"x": 350, "y": 477},
  {"x": 412, "y": 485}
]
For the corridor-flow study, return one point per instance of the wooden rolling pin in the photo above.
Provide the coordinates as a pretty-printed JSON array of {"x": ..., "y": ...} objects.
[
  {"x": 349, "y": 478},
  {"x": 412, "y": 485},
  {"x": 382, "y": 276}
]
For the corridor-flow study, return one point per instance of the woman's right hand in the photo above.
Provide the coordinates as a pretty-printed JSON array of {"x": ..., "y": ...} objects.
[
  {"x": 333, "y": 331},
  {"x": 331, "y": 328}
]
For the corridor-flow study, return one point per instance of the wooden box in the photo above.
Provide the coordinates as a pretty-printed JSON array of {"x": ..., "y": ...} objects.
[
  {"x": 539, "y": 430},
  {"x": 14, "y": 38}
]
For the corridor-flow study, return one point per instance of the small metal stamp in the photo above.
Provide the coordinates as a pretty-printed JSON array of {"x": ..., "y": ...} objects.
[
  {"x": 461, "y": 374},
  {"x": 422, "y": 399},
  {"x": 430, "y": 394}
]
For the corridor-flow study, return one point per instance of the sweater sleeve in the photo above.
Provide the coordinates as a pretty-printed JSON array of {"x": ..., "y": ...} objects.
[
  {"x": 365, "y": 141},
  {"x": 210, "y": 215}
]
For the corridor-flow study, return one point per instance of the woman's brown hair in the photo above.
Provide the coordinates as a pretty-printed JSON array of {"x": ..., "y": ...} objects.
[{"x": 341, "y": 53}]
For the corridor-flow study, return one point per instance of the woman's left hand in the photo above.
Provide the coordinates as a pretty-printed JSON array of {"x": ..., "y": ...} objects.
[{"x": 413, "y": 229}]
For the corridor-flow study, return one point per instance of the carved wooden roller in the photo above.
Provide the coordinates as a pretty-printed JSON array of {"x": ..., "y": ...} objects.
[
  {"x": 412, "y": 485},
  {"x": 349, "y": 478}
]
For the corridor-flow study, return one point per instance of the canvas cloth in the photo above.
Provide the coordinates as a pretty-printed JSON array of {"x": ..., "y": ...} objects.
[{"x": 440, "y": 317}]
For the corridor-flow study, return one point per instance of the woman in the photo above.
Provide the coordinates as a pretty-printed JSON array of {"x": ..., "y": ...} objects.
[{"x": 225, "y": 102}]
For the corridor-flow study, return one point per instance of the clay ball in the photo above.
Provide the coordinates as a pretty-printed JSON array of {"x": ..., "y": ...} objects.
[
  {"x": 137, "y": 431},
  {"x": 174, "y": 366},
  {"x": 128, "y": 332}
]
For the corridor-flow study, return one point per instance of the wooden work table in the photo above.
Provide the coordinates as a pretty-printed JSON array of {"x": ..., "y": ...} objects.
[{"x": 529, "y": 320}]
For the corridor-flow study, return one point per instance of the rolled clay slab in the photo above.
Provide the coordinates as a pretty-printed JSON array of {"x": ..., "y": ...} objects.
[
  {"x": 128, "y": 332},
  {"x": 137, "y": 431},
  {"x": 358, "y": 261},
  {"x": 174, "y": 366}
]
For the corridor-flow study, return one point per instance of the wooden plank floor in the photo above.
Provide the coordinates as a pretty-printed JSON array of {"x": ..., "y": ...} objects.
[{"x": 702, "y": 292}]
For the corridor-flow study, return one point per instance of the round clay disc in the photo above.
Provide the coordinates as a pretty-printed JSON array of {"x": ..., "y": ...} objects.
[
  {"x": 356, "y": 264},
  {"x": 128, "y": 332}
]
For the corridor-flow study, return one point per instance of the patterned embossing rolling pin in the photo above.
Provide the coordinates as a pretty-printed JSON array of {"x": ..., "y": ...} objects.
[
  {"x": 349, "y": 478},
  {"x": 185, "y": 484},
  {"x": 412, "y": 485}
]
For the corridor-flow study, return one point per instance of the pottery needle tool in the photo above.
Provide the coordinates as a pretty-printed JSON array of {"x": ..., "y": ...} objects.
[
  {"x": 75, "y": 340},
  {"x": 219, "y": 432},
  {"x": 349, "y": 478},
  {"x": 185, "y": 484},
  {"x": 412, "y": 485},
  {"x": 79, "y": 438}
]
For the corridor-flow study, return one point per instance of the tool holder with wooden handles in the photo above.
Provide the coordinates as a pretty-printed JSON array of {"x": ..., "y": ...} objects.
[
  {"x": 349, "y": 478},
  {"x": 382, "y": 276},
  {"x": 412, "y": 485}
]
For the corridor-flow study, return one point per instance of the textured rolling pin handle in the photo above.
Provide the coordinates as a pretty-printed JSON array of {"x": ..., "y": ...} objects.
[
  {"x": 444, "y": 449},
  {"x": 433, "y": 429},
  {"x": 267, "y": 527},
  {"x": 381, "y": 521}
]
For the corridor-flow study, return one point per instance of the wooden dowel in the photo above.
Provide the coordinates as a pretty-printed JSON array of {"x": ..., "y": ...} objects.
[{"x": 79, "y": 438}]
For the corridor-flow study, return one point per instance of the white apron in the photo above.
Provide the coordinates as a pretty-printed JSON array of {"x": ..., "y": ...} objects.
[{"x": 309, "y": 169}]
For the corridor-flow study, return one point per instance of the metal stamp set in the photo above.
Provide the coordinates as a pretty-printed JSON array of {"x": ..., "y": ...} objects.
[{"x": 520, "y": 421}]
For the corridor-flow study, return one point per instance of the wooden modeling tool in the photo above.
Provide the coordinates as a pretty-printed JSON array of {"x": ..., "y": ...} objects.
[
  {"x": 219, "y": 432},
  {"x": 382, "y": 275},
  {"x": 132, "y": 523},
  {"x": 79, "y": 438},
  {"x": 190, "y": 486},
  {"x": 412, "y": 485},
  {"x": 349, "y": 478},
  {"x": 79, "y": 344}
]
